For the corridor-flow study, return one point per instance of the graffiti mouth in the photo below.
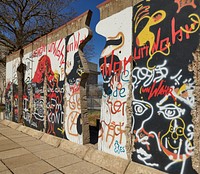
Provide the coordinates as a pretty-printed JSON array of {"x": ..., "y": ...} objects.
[
  {"x": 143, "y": 154},
  {"x": 144, "y": 140}
]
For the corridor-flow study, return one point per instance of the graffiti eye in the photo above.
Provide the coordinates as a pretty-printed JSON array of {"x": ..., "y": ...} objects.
[
  {"x": 170, "y": 111},
  {"x": 139, "y": 108},
  {"x": 179, "y": 131},
  {"x": 171, "y": 129}
]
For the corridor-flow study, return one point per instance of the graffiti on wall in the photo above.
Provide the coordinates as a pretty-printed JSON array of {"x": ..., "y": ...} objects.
[
  {"x": 8, "y": 101},
  {"x": 27, "y": 99},
  {"x": 11, "y": 93},
  {"x": 42, "y": 72},
  {"x": 165, "y": 35},
  {"x": 52, "y": 79},
  {"x": 74, "y": 72},
  {"x": 115, "y": 69}
]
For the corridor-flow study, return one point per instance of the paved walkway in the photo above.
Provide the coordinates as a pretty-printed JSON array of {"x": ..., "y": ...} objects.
[
  {"x": 27, "y": 151},
  {"x": 22, "y": 154}
]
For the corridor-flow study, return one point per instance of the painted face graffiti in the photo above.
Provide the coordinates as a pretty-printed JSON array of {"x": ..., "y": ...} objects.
[{"x": 162, "y": 85}]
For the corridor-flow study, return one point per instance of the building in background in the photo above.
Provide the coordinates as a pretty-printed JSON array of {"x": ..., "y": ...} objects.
[{"x": 94, "y": 90}]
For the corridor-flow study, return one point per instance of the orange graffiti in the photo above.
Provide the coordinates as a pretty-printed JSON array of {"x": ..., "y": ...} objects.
[
  {"x": 72, "y": 123},
  {"x": 113, "y": 130},
  {"x": 183, "y": 3}
]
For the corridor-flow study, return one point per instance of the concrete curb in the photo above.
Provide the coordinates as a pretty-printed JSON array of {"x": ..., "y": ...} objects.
[
  {"x": 88, "y": 153},
  {"x": 104, "y": 160},
  {"x": 50, "y": 139},
  {"x": 23, "y": 129},
  {"x": 76, "y": 149},
  {"x": 5, "y": 122},
  {"x": 35, "y": 133},
  {"x": 13, "y": 125}
]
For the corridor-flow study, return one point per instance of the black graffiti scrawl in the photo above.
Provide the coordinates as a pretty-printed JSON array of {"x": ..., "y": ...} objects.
[{"x": 165, "y": 34}]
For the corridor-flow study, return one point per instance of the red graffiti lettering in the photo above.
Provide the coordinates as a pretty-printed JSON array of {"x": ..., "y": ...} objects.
[
  {"x": 74, "y": 45},
  {"x": 156, "y": 91},
  {"x": 39, "y": 51},
  {"x": 183, "y": 3},
  {"x": 58, "y": 50},
  {"x": 107, "y": 68}
]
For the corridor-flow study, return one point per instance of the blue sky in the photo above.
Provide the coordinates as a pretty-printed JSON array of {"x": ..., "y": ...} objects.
[{"x": 83, "y": 5}]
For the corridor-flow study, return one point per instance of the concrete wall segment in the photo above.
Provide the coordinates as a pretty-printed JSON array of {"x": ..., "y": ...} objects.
[
  {"x": 195, "y": 67},
  {"x": 12, "y": 56},
  {"x": 110, "y": 7},
  {"x": 50, "y": 52}
]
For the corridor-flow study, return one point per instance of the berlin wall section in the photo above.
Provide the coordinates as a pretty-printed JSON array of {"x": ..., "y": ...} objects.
[
  {"x": 115, "y": 64},
  {"x": 150, "y": 69},
  {"x": 166, "y": 37},
  {"x": 54, "y": 82},
  {"x": 11, "y": 94},
  {"x": 151, "y": 117},
  {"x": 195, "y": 67}
]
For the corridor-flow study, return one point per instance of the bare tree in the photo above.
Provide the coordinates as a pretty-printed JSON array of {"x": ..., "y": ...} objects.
[{"x": 22, "y": 21}]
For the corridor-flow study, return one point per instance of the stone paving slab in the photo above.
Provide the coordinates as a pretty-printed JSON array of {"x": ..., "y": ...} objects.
[
  {"x": 47, "y": 154},
  {"x": 21, "y": 160},
  {"x": 22, "y": 139},
  {"x": 13, "y": 153},
  {"x": 5, "y": 141},
  {"x": 55, "y": 172},
  {"x": 9, "y": 132},
  {"x": 5, "y": 122},
  {"x": 39, "y": 147},
  {"x": 103, "y": 172},
  {"x": 81, "y": 167},
  {"x": 38, "y": 167},
  {"x": 13, "y": 136},
  {"x": 2, "y": 138},
  {"x": 13, "y": 125},
  {"x": 8, "y": 145},
  {"x": 2, "y": 167},
  {"x": 104, "y": 160},
  {"x": 2, "y": 127},
  {"x": 77, "y": 149},
  {"x": 30, "y": 143},
  {"x": 6, "y": 172},
  {"x": 35, "y": 133},
  {"x": 62, "y": 161}
]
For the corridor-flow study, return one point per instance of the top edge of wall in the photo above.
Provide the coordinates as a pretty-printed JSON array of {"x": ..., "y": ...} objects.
[
  {"x": 110, "y": 7},
  {"x": 70, "y": 27},
  {"x": 13, "y": 56}
]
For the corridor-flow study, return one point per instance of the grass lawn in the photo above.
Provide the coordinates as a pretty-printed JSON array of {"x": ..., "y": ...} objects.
[
  {"x": 93, "y": 115},
  {"x": 2, "y": 108}
]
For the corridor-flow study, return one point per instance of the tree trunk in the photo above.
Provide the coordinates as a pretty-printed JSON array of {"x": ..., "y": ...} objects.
[{"x": 20, "y": 77}]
